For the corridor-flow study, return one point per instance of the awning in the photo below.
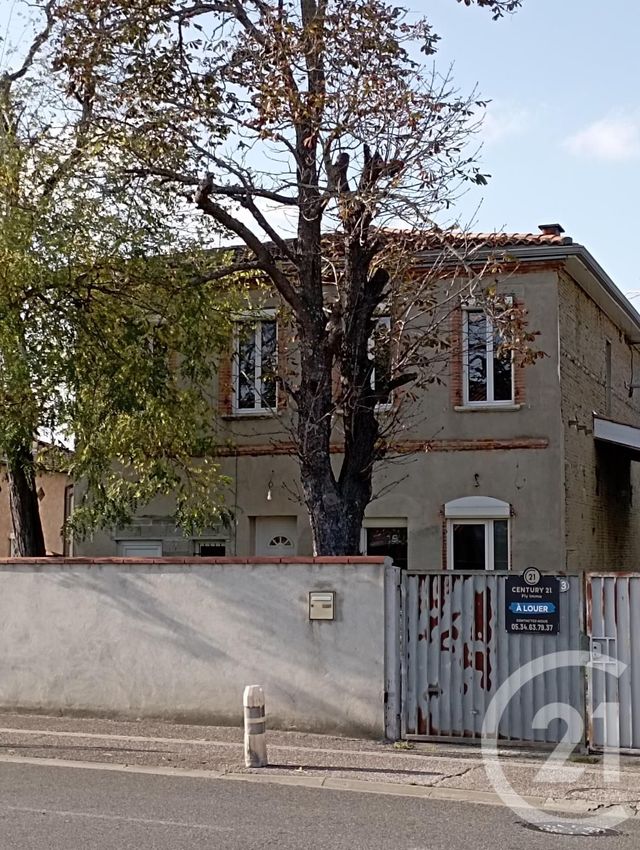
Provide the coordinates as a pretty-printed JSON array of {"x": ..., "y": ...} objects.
[{"x": 617, "y": 434}]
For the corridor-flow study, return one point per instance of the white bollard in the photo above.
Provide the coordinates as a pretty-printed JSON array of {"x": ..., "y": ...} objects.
[{"x": 255, "y": 727}]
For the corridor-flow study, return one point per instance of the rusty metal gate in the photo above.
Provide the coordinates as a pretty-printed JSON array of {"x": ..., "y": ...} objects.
[
  {"x": 457, "y": 653},
  {"x": 613, "y": 608}
]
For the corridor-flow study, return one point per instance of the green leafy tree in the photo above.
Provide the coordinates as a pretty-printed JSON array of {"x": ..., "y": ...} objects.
[
  {"x": 110, "y": 315},
  {"x": 322, "y": 113}
]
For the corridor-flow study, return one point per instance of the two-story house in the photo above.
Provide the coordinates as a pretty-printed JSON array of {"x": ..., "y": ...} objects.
[{"x": 503, "y": 467}]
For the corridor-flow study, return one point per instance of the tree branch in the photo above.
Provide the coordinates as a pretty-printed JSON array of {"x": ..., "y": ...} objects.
[
  {"x": 225, "y": 271},
  {"x": 36, "y": 44},
  {"x": 262, "y": 253},
  {"x": 81, "y": 138},
  {"x": 235, "y": 192}
]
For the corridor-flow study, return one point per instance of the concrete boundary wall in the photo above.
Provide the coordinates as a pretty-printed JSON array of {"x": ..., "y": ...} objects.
[{"x": 180, "y": 638}]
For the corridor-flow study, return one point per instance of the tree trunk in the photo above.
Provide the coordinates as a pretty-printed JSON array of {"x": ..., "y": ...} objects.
[
  {"x": 23, "y": 501},
  {"x": 336, "y": 518},
  {"x": 336, "y": 504}
]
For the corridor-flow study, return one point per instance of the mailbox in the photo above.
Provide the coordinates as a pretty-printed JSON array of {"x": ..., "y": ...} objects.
[{"x": 322, "y": 604}]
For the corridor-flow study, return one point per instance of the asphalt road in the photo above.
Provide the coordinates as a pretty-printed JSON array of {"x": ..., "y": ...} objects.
[{"x": 60, "y": 808}]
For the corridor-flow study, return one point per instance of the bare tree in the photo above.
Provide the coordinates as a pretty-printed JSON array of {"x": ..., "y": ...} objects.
[{"x": 322, "y": 114}]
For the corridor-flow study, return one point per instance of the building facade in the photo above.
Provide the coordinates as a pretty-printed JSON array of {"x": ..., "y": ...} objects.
[
  {"x": 55, "y": 496},
  {"x": 498, "y": 467}
]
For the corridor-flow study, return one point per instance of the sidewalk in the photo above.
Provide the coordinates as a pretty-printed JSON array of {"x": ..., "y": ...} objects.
[{"x": 427, "y": 770}]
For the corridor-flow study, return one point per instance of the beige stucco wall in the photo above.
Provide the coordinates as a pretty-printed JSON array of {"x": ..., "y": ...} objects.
[
  {"x": 182, "y": 640},
  {"x": 51, "y": 512},
  {"x": 469, "y": 453},
  {"x": 602, "y": 484}
]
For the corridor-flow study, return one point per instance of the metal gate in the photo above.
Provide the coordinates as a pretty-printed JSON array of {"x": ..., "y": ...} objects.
[
  {"x": 613, "y": 612},
  {"x": 457, "y": 653}
]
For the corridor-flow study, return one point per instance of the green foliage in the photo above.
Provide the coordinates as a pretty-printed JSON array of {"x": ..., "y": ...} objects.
[{"x": 109, "y": 320}]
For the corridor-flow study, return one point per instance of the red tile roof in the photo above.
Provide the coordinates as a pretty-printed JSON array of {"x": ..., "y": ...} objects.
[
  {"x": 517, "y": 238},
  {"x": 432, "y": 239}
]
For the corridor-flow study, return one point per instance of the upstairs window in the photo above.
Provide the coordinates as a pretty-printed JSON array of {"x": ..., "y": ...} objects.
[
  {"x": 488, "y": 374},
  {"x": 255, "y": 366}
]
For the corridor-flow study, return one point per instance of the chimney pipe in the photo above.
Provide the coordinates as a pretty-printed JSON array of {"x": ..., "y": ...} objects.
[{"x": 551, "y": 229}]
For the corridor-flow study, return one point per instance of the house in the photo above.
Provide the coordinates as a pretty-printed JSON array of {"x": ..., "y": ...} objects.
[
  {"x": 504, "y": 468},
  {"x": 55, "y": 496}
]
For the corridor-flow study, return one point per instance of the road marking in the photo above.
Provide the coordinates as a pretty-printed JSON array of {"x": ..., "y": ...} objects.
[{"x": 94, "y": 816}]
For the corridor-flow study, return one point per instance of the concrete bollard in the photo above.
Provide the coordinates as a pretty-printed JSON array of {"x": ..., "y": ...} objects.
[{"x": 255, "y": 727}]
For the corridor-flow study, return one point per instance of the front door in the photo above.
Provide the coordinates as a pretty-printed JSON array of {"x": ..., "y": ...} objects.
[{"x": 276, "y": 536}]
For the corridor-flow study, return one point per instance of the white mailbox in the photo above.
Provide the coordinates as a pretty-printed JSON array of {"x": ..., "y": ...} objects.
[{"x": 322, "y": 604}]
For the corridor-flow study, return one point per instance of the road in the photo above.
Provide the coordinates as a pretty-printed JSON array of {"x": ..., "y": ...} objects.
[{"x": 61, "y": 808}]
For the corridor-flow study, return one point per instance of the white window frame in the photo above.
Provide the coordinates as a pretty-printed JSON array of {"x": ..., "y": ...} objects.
[
  {"x": 384, "y": 319},
  {"x": 489, "y": 353},
  {"x": 478, "y": 510},
  {"x": 256, "y": 320}
]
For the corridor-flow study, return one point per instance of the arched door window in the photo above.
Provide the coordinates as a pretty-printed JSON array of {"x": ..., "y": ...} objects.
[{"x": 280, "y": 541}]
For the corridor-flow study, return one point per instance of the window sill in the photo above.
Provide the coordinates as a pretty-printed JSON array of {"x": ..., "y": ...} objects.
[
  {"x": 246, "y": 414},
  {"x": 493, "y": 408}
]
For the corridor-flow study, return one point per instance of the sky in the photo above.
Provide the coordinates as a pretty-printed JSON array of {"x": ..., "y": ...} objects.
[{"x": 561, "y": 139}]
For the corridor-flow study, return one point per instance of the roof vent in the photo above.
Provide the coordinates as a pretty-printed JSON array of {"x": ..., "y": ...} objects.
[{"x": 551, "y": 229}]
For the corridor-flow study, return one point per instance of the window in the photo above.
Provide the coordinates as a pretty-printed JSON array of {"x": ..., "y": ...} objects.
[
  {"x": 386, "y": 537},
  {"x": 477, "y": 534},
  {"x": 140, "y": 548},
  {"x": 488, "y": 375},
  {"x": 280, "y": 540},
  {"x": 380, "y": 357},
  {"x": 255, "y": 366},
  {"x": 210, "y": 548}
]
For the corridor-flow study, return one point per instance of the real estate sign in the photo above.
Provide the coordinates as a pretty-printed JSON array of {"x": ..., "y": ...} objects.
[{"x": 532, "y": 603}]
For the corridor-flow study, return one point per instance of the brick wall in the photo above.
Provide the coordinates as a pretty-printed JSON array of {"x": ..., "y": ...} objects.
[
  {"x": 602, "y": 484},
  {"x": 225, "y": 382},
  {"x": 455, "y": 372}
]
